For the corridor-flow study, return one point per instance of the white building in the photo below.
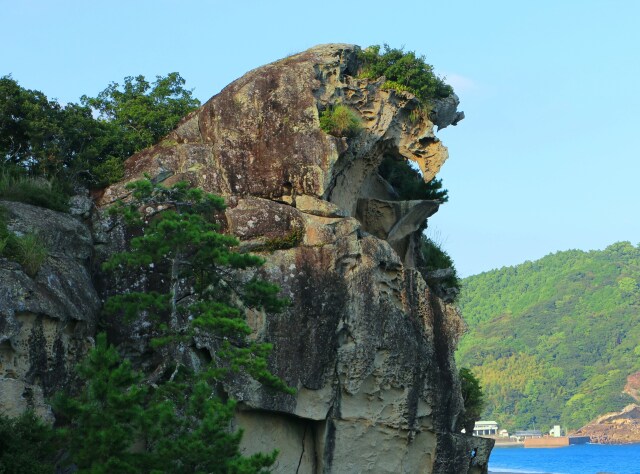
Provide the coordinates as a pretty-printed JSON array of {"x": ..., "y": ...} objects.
[{"x": 485, "y": 428}]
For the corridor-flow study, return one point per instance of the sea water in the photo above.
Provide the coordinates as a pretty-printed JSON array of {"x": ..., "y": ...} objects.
[{"x": 578, "y": 459}]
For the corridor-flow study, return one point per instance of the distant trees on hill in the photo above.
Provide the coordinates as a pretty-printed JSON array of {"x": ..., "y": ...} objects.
[{"x": 553, "y": 341}]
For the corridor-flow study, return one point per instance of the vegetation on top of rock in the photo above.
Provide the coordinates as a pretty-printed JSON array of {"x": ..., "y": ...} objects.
[
  {"x": 553, "y": 340},
  {"x": 403, "y": 71},
  {"x": 28, "y": 250},
  {"x": 141, "y": 112},
  {"x": 16, "y": 185},
  {"x": 47, "y": 139},
  {"x": 340, "y": 121},
  {"x": 291, "y": 240},
  {"x": 434, "y": 257}
]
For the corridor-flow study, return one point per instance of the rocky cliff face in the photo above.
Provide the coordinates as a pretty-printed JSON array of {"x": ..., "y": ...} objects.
[
  {"x": 366, "y": 342},
  {"x": 46, "y": 321},
  {"x": 615, "y": 428}
]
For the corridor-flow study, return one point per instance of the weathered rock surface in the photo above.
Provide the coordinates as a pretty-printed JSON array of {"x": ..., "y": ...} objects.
[
  {"x": 366, "y": 342},
  {"x": 46, "y": 321},
  {"x": 615, "y": 428}
]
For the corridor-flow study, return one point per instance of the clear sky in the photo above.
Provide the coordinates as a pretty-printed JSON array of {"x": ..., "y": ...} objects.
[{"x": 547, "y": 158}]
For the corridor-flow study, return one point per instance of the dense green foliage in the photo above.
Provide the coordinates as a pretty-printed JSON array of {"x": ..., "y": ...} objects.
[
  {"x": 473, "y": 399},
  {"x": 108, "y": 416},
  {"x": 172, "y": 419},
  {"x": 552, "y": 341},
  {"x": 409, "y": 183},
  {"x": 27, "y": 445},
  {"x": 40, "y": 134},
  {"x": 140, "y": 112},
  {"x": 340, "y": 121},
  {"x": 403, "y": 71},
  {"x": 181, "y": 244},
  {"x": 119, "y": 424},
  {"x": 44, "y": 138},
  {"x": 196, "y": 293}
]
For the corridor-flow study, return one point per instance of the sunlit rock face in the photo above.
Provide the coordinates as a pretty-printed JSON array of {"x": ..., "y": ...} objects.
[{"x": 368, "y": 345}]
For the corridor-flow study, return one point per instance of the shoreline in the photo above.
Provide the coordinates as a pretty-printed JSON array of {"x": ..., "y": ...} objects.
[{"x": 517, "y": 472}]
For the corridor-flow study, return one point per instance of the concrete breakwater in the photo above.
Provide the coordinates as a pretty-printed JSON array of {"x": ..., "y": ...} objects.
[{"x": 558, "y": 441}]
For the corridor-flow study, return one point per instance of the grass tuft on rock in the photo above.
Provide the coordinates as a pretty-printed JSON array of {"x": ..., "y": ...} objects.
[
  {"x": 340, "y": 121},
  {"x": 28, "y": 250},
  {"x": 37, "y": 191}
]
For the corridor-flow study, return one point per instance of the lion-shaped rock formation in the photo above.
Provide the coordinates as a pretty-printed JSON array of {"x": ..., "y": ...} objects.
[{"x": 366, "y": 342}]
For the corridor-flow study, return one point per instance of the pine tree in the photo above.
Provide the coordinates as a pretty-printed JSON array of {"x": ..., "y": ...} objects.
[
  {"x": 173, "y": 420},
  {"x": 107, "y": 417},
  {"x": 27, "y": 445},
  {"x": 116, "y": 424},
  {"x": 199, "y": 291}
]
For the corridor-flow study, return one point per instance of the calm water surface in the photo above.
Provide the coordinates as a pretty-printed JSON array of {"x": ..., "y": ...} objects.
[{"x": 581, "y": 459}]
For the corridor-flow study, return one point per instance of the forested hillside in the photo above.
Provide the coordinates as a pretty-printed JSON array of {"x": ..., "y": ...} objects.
[{"x": 553, "y": 341}]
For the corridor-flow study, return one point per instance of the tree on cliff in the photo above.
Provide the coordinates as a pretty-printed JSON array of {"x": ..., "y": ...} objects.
[
  {"x": 40, "y": 136},
  {"x": 27, "y": 445},
  {"x": 192, "y": 266},
  {"x": 472, "y": 398},
  {"x": 137, "y": 115},
  {"x": 176, "y": 412},
  {"x": 117, "y": 423}
]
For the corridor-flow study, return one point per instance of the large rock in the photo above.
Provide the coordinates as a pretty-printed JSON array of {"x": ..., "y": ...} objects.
[
  {"x": 368, "y": 345},
  {"x": 261, "y": 135},
  {"x": 615, "y": 428},
  {"x": 46, "y": 320}
]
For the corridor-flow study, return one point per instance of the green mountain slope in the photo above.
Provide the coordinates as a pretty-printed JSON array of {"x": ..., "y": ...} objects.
[{"x": 552, "y": 341}]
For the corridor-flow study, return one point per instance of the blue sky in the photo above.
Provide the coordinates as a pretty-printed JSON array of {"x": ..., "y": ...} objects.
[{"x": 546, "y": 159}]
